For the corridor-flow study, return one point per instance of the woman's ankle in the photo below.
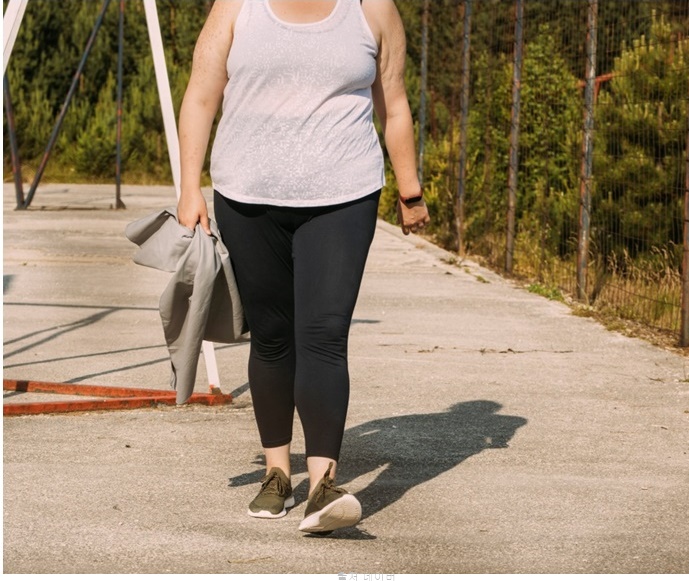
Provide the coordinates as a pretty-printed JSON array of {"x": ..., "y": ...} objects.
[
  {"x": 278, "y": 457},
  {"x": 318, "y": 466}
]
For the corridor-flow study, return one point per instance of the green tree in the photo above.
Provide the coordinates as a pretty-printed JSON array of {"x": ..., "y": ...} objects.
[
  {"x": 549, "y": 147},
  {"x": 548, "y": 151},
  {"x": 488, "y": 150},
  {"x": 641, "y": 132},
  {"x": 49, "y": 46}
]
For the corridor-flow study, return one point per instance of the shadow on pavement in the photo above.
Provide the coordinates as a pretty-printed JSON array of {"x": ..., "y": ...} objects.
[{"x": 409, "y": 450}]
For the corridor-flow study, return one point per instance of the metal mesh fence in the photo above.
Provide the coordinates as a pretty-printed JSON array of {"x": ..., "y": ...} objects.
[
  {"x": 554, "y": 135},
  {"x": 564, "y": 150}
]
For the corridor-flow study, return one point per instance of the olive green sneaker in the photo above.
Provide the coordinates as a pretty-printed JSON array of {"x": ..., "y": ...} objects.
[
  {"x": 329, "y": 508},
  {"x": 275, "y": 496}
]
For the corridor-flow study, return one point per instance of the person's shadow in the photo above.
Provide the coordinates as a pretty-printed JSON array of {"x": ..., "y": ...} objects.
[{"x": 413, "y": 449}]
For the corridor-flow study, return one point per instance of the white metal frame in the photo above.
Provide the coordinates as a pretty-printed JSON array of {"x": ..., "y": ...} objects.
[
  {"x": 10, "y": 26},
  {"x": 12, "y": 20},
  {"x": 171, "y": 135}
]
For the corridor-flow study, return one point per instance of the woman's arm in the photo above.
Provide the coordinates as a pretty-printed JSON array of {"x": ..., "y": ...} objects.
[
  {"x": 201, "y": 102},
  {"x": 392, "y": 108}
]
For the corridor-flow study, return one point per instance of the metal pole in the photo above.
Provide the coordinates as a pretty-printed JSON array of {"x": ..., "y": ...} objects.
[
  {"x": 65, "y": 106},
  {"x": 118, "y": 158},
  {"x": 11, "y": 21},
  {"x": 587, "y": 153},
  {"x": 684, "y": 328},
  {"x": 424, "y": 83},
  {"x": 164, "y": 93},
  {"x": 514, "y": 134},
  {"x": 170, "y": 124},
  {"x": 14, "y": 148},
  {"x": 463, "y": 126}
]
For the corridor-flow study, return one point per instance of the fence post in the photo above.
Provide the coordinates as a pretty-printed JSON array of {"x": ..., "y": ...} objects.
[
  {"x": 514, "y": 135},
  {"x": 119, "y": 205},
  {"x": 463, "y": 125},
  {"x": 587, "y": 152},
  {"x": 684, "y": 328},
  {"x": 424, "y": 83}
]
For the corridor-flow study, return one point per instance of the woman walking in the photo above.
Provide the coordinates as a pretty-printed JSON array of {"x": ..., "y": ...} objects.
[{"x": 297, "y": 171}]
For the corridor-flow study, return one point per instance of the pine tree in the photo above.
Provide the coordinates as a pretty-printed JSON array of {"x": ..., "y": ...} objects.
[
  {"x": 49, "y": 46},
  {"x": 641, "y": 133}
]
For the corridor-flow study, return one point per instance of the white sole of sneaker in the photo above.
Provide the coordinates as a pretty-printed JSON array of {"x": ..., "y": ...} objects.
[
  {"x": 343, "y": 512},
  {"x": 289, "y": 503}
]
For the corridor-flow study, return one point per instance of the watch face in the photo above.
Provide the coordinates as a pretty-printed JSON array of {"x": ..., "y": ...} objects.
[{"x": 413, "y": 200}]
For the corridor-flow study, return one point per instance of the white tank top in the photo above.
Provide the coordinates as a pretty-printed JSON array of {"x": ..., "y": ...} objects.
[{"x": 297, "y": 116}]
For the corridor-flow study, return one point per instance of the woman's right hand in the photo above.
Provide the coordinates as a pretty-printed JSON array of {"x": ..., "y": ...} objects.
[
  {"x": 200, "y": 105},
  {"x": 192, "y": 210}
]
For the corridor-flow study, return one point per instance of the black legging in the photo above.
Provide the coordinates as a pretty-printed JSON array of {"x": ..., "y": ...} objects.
[{"x": 299, "y": 271}]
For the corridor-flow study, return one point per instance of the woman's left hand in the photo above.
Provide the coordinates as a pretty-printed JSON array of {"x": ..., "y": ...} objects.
[{"x": 412, "y": 216}]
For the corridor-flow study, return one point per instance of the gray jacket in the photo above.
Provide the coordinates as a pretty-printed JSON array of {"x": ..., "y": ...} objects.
[{"x": 201, "y": 301}]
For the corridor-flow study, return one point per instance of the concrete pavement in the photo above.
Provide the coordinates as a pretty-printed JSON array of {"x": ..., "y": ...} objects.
[{"x": 489, "y": 431}]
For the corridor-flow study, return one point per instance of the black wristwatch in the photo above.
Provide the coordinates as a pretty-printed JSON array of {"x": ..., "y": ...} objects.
[{"x": 412, "y": 200}]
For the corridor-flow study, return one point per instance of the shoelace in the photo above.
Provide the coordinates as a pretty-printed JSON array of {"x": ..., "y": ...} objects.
[
  {"x": 273, "y": 485},
  {"x": 328, "y": 484}
]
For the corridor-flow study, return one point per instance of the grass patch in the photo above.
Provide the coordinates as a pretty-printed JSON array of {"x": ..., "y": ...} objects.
[
  {"x": 451, "y": 260},
  {"x": 550, "y": 292},
  {"x": 580, "y": 310}
]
